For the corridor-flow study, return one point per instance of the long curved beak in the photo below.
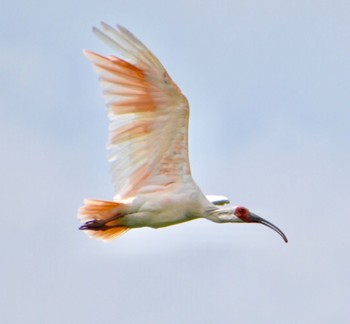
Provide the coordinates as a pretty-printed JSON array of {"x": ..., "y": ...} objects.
[{"x": 257, "y": 219}]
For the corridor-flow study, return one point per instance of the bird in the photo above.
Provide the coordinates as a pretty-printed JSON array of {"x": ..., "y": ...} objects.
[{"x": 148, "y": 147}]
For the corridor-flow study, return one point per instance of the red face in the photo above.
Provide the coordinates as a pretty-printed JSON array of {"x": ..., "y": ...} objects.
[{"x": 243, "y": 213}]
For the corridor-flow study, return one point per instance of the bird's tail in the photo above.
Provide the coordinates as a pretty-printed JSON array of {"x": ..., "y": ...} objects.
[{"x": 102, "y": 219}]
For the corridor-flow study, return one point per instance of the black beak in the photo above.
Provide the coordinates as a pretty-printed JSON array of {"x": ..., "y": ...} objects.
[{"x": 257, "y": 219}]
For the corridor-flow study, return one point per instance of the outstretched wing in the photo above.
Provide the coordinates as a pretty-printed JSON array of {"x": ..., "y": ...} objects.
[{"x": 148, "y": 116}]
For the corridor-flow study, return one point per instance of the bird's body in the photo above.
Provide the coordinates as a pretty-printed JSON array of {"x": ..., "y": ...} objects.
[
  {"x": 148, "y": 147},
  {"x": 180, "y": 203}
]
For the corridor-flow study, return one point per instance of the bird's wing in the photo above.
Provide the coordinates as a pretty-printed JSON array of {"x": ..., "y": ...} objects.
[
  {"x": 218, "y": 200},
  {"x": 148, "y": 115}
]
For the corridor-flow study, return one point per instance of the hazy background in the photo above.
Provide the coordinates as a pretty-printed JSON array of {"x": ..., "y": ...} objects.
[{"x": 268, "y": 83}]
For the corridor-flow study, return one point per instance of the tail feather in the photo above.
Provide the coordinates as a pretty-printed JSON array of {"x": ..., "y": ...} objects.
[
  {"x": 102, "y": 219},
  {"x": 109, "y": 234}
]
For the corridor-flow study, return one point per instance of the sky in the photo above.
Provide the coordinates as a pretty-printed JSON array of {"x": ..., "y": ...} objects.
[{"x": 268, "y": 83}]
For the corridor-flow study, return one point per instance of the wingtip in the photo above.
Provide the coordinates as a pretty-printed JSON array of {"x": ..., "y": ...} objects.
[
  {"x": 122, "y": 29},
  {"x": 95, "y": 30},
  {"x": 106, "y": 26},
  {"x": 89, "y": 55}
]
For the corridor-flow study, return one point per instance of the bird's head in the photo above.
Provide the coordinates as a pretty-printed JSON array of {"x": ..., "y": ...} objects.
[{"x": 246, "y": 216}]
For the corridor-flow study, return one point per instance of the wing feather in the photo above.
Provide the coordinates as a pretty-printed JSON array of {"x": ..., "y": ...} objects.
[{"x": 148, "y": 116}]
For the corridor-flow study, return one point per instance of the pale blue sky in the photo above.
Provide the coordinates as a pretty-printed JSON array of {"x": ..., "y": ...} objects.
[{"x": 268, "y": 83}]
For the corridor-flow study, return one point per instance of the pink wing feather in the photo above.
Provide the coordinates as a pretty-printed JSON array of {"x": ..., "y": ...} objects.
[{"x": 148, "y": 116}]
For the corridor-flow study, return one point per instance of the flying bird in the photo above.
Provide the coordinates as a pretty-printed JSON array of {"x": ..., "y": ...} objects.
[{"x": 148, "y": 148}]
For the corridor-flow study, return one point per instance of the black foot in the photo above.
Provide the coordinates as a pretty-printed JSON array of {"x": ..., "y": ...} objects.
[{"x": 94, "y": 225}]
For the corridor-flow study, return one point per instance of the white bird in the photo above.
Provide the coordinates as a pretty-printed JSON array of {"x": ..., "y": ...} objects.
[{"x": 148, "y": 148}]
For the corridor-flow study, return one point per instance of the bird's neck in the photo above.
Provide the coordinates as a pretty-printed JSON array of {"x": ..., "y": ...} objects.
[{"x": 223, "y": 215}]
